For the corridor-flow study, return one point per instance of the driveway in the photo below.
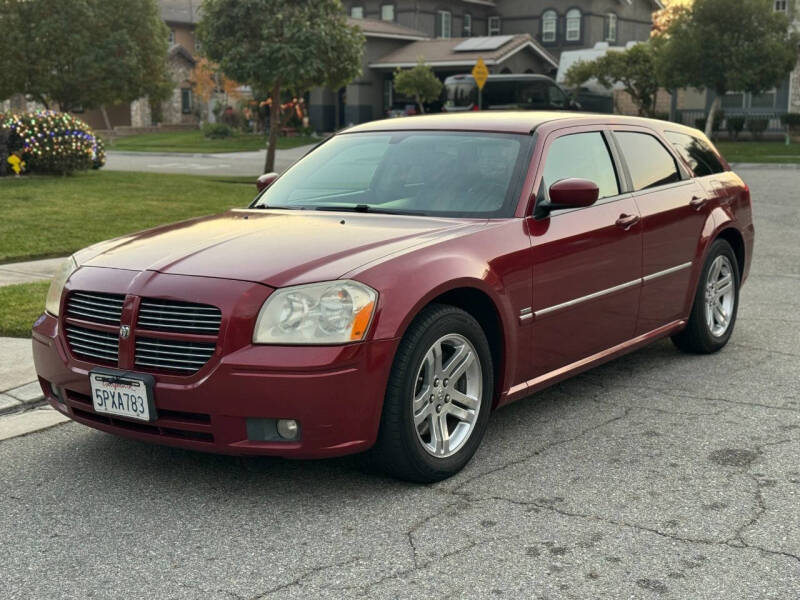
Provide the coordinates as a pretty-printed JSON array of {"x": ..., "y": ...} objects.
[
  {"x": 659, "y": 475},
  {"x": 230, "y": 163}
]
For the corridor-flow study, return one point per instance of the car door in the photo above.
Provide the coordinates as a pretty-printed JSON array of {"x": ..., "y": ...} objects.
[
  {"x": 674, "y": 209},
  {"x": 586, "y": 262}
]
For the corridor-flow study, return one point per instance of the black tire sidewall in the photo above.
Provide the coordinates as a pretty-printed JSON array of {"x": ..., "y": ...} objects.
[
  {"x": 421, "y": 336},
  {"x": 710, "y": 342}
]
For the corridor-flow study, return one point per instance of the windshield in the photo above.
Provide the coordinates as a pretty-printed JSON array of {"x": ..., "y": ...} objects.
[{"x": 438, "y": 173}]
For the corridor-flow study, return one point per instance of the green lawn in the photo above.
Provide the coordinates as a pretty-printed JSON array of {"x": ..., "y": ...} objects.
[
  {"x": 19, "y": 307},
  {"x": 194, "y": 142},
  {"x": 759, "y": 152},
  {"x": 55, "y": 216}
]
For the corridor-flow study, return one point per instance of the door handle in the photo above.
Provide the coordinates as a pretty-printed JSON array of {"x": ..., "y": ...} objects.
[
  {"x": 697, "y": 202},
  {"x": 627, "y": 221}
]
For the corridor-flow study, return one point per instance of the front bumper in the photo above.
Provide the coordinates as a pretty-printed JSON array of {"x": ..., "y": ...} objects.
[{"x": 335, "y": 392}]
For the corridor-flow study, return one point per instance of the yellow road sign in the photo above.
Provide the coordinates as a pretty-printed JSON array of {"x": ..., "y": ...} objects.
[{"x": 480, "y": 73}]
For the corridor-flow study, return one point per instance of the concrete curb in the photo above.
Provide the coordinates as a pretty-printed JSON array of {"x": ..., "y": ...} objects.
[
  {"x": 779, "y": 166},
  {"x": 21, "y": 398}
]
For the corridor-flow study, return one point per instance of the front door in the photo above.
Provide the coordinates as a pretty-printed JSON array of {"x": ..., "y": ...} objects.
[{"x": 587, "y": 263}]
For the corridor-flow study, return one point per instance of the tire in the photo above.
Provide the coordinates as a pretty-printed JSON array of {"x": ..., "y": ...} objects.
[
  {"x": 706, "y": 334},
  {"x": 411, "y": 445}
]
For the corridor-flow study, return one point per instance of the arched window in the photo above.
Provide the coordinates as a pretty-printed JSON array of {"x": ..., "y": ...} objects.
[
  {"x": 573, "y": 25},
  {"x": 549, "y": 26}
]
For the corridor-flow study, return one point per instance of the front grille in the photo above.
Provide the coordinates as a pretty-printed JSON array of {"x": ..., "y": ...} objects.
[
  {"x": 169, "y": 355},
  {"x": 93, "y": 344},
  {"x": 96, "y": 344},
  {"x": 95, "y": 306},
  {"x": 179, "y": 317}
]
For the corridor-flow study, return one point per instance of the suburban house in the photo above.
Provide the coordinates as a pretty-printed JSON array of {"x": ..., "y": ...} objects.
[{"x": 529, "y": 36}]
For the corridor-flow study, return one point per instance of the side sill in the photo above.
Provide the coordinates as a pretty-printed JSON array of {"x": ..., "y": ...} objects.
[{"x": 544, "y": 381}]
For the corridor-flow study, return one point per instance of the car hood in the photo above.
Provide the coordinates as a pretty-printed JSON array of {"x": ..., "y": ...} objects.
[{"x": 276, "y": 248}]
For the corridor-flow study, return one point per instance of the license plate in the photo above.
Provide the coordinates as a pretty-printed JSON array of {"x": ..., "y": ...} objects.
[{"x": 122, "y": 394}]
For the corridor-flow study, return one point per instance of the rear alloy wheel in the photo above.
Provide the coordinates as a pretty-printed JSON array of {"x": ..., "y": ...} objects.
[
  {"x": 715, "y": 304},
  {"x": 438, "y": 399}
]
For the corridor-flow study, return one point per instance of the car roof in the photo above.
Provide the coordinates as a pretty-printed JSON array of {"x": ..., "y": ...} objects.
[
  {"x": 523, "y": 122},
  {"x": 501, "y": 77}
]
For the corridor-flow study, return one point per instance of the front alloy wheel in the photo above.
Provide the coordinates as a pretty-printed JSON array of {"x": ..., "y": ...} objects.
[
  {"x": 447, "y": 396},
  {"x": 438, "y": 398}
]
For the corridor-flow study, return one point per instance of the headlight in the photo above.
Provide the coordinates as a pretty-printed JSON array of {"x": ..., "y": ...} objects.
[
  {"x": 334, "y": 312},
  {"x": 53, "y": 302}
]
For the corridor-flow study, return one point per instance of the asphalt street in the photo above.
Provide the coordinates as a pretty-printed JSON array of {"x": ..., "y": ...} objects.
[{"x": 659, "y": 475}]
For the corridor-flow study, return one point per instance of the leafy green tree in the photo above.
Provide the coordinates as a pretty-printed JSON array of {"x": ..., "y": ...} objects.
[
  {"x": 634, "y": 68},
  {"x": 727, "y": 45},
  {"x": 276, "y": 46},
  {"x": 419, "y": 83},
  {"x": 85, "y": 53}
]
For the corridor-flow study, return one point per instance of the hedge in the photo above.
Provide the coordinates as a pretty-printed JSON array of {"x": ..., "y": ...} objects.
[{"x": 49, "y": 142}]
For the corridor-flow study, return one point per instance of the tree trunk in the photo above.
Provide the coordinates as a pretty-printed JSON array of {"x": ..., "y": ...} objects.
[
  {"x": 711, "y": 114},
  {"x": 106, "y": 120},
  {"x": 421, "y": 108},
  {"x": 274, "y": 127}
]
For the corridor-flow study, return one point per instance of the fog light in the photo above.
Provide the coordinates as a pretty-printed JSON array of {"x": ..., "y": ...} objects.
[
  {"x": 288, "y": 428},
  {"x": 56, "y": 392}
]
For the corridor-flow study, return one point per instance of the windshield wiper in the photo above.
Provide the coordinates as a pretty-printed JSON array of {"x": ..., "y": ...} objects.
[
  {"x": 366, "y": 208},
  {"x": 271, "y": 207}
]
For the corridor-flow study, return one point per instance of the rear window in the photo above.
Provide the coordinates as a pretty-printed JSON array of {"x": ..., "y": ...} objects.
[
  {"x": 700, "y": 157},
  {"x": 649, "y": 162}
]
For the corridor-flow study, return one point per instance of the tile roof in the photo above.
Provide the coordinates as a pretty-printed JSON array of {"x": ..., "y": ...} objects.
[
  {"x": 388, "y": 29},
  {"x": 180, "y": 11},
  {"x": 441, "y": 52}
]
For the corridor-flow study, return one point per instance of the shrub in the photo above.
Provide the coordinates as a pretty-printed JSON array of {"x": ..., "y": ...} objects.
[
  {"x": 757, "y": 127},
  {"x": 734, "y": 125},
  {"x": 718, "y": 117},
  {"x": 53, "y": 142},
  {"x": 791, "y": 120},
  {"x": 217, "y": 131}
]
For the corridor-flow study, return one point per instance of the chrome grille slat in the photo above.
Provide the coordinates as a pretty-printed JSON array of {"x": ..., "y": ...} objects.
[
  {"x": 162, "y": 354},
  {"x": 178, "y": 317},
  {"x": 160, "y": 366},
  {"x": 92, "y": 343},
  {"x": 95, "y": 306}
]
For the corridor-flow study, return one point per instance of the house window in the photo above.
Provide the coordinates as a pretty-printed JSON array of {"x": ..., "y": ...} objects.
[
  {"x": 573, "y": 25},
  {"x": 387, "y": 12},
  {"x": 611, "y": 27},
  {"x": 733, "y": 100},
  {"x": 467, "y": 25},
  {"x": 357, "y": 12},
  {"x": 765, "y": 100},
  {"x": 781, "y": 5},
  {"x": 494, "y": 25},
  {"x": 549, "y": 26},
  {"x": 171, "y": 37},
  {"x": 186, "y": 101},
  {"x": 444, "y": 24}
]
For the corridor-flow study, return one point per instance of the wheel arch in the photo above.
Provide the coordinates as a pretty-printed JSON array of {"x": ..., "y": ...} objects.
[
  {"x": 475, "y": 298},
  {"x": 734, "y": 237}
]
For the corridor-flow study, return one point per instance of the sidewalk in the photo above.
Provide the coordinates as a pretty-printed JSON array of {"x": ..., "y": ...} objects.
[
  {"x": 33, "y": 270},
  {"x": 22, "y": 408}
]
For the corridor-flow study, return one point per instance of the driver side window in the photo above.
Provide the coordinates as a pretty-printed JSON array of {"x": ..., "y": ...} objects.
[{"x": 583, "y": 156}]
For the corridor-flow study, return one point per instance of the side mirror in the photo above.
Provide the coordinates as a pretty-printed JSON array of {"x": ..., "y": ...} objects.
[
  {"x": 265, "y": 180},
  {"x": 568, "y": 193}
]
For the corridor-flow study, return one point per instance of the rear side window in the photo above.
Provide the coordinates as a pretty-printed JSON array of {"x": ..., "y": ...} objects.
[
  {"x": 581, "y": 155},
  {"x": 696, "y": 152},
  {"x": 649, "y": 162}
]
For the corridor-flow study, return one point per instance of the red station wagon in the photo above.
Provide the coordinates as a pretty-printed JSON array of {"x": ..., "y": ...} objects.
[{"x": 398, "y": 284}]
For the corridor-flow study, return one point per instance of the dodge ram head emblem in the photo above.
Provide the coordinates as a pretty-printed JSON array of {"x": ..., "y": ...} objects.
[{"x": 124, "y": 332}]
